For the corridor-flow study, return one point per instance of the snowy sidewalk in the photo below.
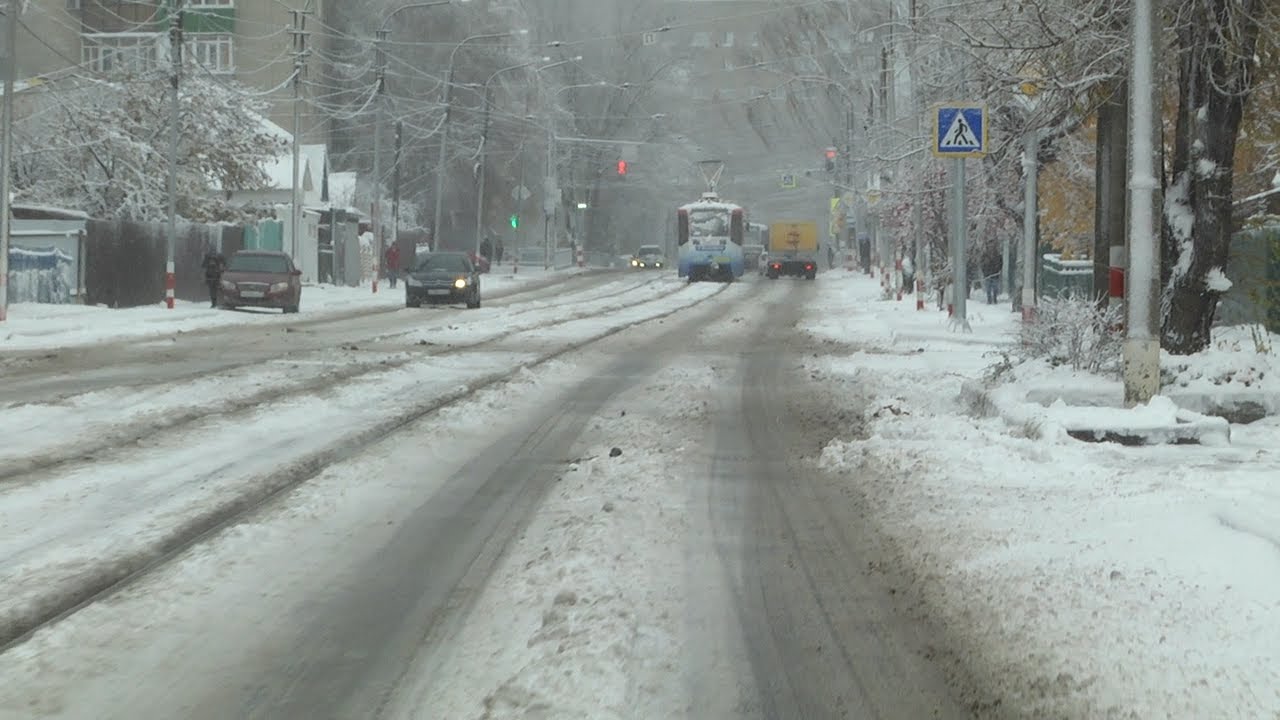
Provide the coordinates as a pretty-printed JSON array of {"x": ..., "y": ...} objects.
[
  {"x": 33, "y": 326},
  {"x": 1074, "y": 579}
]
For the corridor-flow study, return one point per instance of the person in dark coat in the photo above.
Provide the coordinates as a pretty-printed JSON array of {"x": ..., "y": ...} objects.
[
  {"x": 991, "y": 263},
  {"x": 393, "y": 264},
  {"x": 214, "y": 265},
  {"x": 486, "y": 249},
  {"x": 498, "y": 251}
]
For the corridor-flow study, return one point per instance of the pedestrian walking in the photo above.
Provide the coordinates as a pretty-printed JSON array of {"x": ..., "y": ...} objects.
[
  {"x": 991, "y": 273},
  {"x": 486, "y": 249},
  {"x": 393, "y": 264},
  {"x": 831, "y": 256},
  {"x": 214, "y": 265},
  {"x": 498, "y": 251}
]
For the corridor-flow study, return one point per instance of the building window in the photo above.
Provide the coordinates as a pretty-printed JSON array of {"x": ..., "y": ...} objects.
[
  {"x": 214, "y": 51},
  {"x": 728, "y": 39},
  {"x": 120, "y": 52}
]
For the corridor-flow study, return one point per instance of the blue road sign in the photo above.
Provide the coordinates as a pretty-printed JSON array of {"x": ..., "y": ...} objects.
[{"x": 960, "y": 131}]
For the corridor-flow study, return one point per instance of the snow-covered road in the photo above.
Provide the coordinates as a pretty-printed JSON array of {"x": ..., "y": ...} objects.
[
  {"x": 490, "y": 557},
  {"x": 89, "y": 510}
]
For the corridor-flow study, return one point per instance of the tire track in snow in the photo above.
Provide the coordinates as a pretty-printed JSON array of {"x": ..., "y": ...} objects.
[{"x": 23, "y": 615}]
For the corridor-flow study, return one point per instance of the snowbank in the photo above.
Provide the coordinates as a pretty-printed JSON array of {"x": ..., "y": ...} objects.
[
  {"x": 1075, "y": 579},
  {"x": 37, "y": 326}
]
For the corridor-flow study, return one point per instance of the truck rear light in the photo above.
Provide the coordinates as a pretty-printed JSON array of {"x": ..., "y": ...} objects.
[{"x": 808, "y": 266}]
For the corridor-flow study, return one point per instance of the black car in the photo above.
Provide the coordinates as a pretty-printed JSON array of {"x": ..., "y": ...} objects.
[{"x": 442, "y": 277}]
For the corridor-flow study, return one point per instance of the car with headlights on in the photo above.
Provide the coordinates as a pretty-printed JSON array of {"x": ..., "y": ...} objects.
[
  {"x": 442, "y": 278},
  {"x": 260, "y": 278},
  {"x": 649, "y": 257}
]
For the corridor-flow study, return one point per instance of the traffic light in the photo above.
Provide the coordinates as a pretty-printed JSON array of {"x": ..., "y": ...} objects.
[
  {"x": 515, "y": 220},
  {"x": 622, "y": 167},
  {"x": 831, "y": 159}
]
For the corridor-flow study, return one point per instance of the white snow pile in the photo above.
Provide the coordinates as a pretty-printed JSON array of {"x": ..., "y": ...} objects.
[
  {"x": 1073, "y": 579},
  {"x": 41, "y": 326}
]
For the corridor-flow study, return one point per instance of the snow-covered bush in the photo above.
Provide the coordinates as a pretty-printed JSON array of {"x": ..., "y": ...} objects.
[{"x": 1074, "y": 330}]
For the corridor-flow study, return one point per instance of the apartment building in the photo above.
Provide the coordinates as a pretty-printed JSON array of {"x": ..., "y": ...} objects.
[{"x": 245, "y": 40}]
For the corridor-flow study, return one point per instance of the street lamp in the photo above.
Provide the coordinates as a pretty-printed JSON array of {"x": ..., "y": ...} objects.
[
  {"x": 444, "y": 129},
  {"x": 484, "y": 134},
  {"x": 379, "y": 89}
]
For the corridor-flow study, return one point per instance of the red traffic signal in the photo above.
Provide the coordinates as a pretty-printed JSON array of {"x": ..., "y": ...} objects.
[{"x": 622, "y": 167}]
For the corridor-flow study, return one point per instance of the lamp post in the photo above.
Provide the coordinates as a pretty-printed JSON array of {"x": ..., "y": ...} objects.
[
  {"x": 380, "y": 87},
  {"x": 444, "y": 130},
  {"x": 484, "y": 135}
]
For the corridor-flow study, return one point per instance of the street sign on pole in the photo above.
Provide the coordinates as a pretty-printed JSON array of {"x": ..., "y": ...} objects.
[
  {"x": 960, "y": 130},
  {"x": 789, "y": 180}
]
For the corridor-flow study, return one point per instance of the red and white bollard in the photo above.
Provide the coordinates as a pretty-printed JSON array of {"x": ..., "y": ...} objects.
[
  {"x": 897, "y": 268},
  {"x": 582, "y": 258},
  {"x": 170, "y": 282}
]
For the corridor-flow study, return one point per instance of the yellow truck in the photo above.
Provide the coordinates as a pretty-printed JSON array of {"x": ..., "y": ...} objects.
[{"x": 793, "y": 249}]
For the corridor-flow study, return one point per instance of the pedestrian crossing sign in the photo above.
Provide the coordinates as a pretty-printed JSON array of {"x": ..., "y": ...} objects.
[{"x": 960, "y": 131}]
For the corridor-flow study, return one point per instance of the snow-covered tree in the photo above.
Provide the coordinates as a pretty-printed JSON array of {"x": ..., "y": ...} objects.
[{"x": 103, "y": 147}]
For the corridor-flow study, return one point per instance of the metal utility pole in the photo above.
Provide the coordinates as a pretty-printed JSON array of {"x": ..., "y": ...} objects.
[
  {"x": 1142, "y": 343},
  {"x": 175, "y": 117},
  {"x": 1030, "y": 213},
  {"x": 10, "y": 62},
  {"x": 299, "y": 69},
  {"x": 960, "y": 249}
]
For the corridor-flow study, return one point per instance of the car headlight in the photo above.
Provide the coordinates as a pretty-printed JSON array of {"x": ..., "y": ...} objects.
[
  {"x": 279, "y": 287},
  {"x": 460, "y": 283},
  {"x": 228, "y": 285},
  {"x": 635, "y": 263}
]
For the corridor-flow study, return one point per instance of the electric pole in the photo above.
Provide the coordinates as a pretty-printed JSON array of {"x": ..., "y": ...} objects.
[
  {"x": 379, "y": 84},
  {"x": 1142, "y": 343},
  {"x": 300, "y": 54},
  {"x": 10, "y": 62},
  {"x": 175, "y": 79},
  {"x": 395, "y": 185}
]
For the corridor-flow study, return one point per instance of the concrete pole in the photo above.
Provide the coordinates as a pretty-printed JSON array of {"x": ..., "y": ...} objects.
[
  {"x": 484, "y": 149},
  {"x": 175, "y": 117},
  {"x": 295, "y": 208},
  {"x": 1142, "y": 342},
  {"x": 379, "y": 109},
  {"x": 10, "y": 61},
  {"x": 442, "y": 161},
  {"x": 1030, "y": 211}
]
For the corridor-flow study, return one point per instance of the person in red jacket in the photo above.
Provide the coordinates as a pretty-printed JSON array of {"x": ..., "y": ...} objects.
[{"x": 393, "y": 264}]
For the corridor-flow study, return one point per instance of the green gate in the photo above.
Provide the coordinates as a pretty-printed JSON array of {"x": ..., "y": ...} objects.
[{"x": 266, "y": 235}]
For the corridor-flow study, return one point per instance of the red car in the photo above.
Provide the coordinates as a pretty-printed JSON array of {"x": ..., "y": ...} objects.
[
  {"x": 261, "y": 278},
  {"x": 481, "y": 262}
]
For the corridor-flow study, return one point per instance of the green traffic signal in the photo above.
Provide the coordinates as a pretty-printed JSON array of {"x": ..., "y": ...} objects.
[{"x": 515, "y": 221}]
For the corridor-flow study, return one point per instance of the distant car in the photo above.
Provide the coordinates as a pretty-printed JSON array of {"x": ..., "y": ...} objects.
[
  {"x": 649, "y": 257},
  {"x": 261, "y": 278},
  {"x": 442, "y": 277}
]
